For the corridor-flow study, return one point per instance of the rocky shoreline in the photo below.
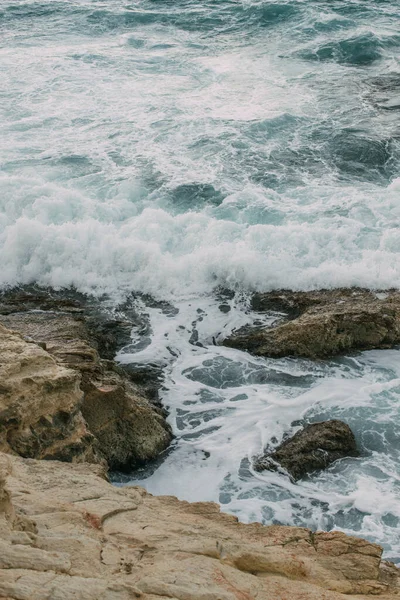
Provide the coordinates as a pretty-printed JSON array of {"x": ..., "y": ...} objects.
[
  {"x": 63, "y": 396},
  {"x": 66, "y": 533}
]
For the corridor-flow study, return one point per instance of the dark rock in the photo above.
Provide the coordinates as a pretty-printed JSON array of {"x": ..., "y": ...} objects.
[
  {"x": 149, "y": 378},
  {"x": 110, "y": 335},
  {"x": 129, "y": 429},
  {"x": 224, "y": 308},
  {"x": 313, "y": 448},
  {"x": 323, "y": 323},
  {"x": 107, "y": 328}
]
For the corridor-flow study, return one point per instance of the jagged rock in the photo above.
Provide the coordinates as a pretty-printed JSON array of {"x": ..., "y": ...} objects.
[
  {"x": 103, "y": 542},
  {"x": 324, "y": 323},
  {"x": 39, "y": 404},
  {"x": 107, "y": 417},
  {"x": 105, "y": 329},
  {"x": 313, "y": 448},
  {"x": 66, "y": 533},
  {"x": 129, "y": 429}
]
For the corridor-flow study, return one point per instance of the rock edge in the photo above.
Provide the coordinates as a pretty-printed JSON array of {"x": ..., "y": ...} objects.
[
  {"x": 313, "y": 448},
  {"x": 323, "y": 323},
  {"x": 59, "y": 399},
  {"x": 67, "y": 534}
]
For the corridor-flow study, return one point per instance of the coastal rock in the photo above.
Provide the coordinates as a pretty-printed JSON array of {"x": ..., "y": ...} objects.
[
  {"x": 313, "y": 448},
  {"x": 39, "y": 404},
  {"x": 107, "y": 417},
  {"x": 323, "y": 323},
  {"x": 85, "y": 318},
  {"x": 129, "y": 429},
  {"x": 66, "y": 533}
]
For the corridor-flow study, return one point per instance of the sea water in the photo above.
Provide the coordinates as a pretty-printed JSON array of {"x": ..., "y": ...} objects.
[{"x": 196, "y": 151}]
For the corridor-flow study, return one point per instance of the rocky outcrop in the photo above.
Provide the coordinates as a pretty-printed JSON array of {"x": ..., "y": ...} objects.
[
  {"x": 313, "y": 448},
  {"x": 323, "y": 323},
  {"x": 105, "y": 329},
  {"x": 39, "y": 404},
  {"x": 66, "y": 533},
  {"x": 61, "y": 399}
]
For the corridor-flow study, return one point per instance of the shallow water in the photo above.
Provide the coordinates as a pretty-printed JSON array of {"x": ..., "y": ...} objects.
[{"x": 174, "y": 148}]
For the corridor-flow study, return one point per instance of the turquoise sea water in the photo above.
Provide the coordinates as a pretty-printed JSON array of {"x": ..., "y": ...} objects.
[{"x": 177, "y": 148}]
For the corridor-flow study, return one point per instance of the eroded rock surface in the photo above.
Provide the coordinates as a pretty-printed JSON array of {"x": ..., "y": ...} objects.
[
  {"x": 323, "y": 323},
  {"x": 313, "y": 448},
  {"x": 39, "y": 404},
  {"x": 61, "y": 399},
  {"x": 67, "y": 534}
]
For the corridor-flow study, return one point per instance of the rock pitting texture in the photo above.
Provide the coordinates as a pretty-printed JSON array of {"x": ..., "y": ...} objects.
[
  {"x": 324, "y": 323},
  {"x": 313, "y": 448},
  {"x": 67, "y": 534},
  {"x": 65, "y": 402},
  {"x": 39, "y": 404}
]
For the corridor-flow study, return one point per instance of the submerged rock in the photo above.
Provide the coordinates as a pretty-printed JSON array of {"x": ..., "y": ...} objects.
[
  {"x": 65, "y": 532},
  {"x": 62, "y": 399},
  {"x": 323, "y": 323},
  {"x": 313, "y": 448}
]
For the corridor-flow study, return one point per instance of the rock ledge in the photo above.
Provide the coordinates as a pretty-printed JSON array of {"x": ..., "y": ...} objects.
[
  {"x": 67, "y": 534},
  {"x": 323, "y": 323}
]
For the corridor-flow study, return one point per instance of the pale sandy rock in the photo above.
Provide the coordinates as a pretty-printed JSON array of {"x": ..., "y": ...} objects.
[
  {"x": 39, "y": 404},
  {"x": 67, "y": 534},
  {"x": 65, "y": 402}
]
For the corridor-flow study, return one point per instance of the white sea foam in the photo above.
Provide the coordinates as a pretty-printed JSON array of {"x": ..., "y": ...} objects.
[
  {"x": 93, "y": 150},
  {"x": 60, "y": 237},
  {"x": 226, "y": 406}
]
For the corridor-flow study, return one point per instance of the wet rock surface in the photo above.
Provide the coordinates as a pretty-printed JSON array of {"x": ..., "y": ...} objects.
[
  {"x": 104, "y": 328},
  {"x": 107, "y": 418},
  {"x": 311, "y": 449},
  {"x": 323, "y": 323},
  {"x": 66, "y": 533}
]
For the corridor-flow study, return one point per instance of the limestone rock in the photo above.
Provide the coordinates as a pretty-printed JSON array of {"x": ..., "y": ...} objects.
[
  {"x": 324, "y": 323},
  {"x": 313, "y": 448},
  {"x": 77, "y": 406},
  {"x": 67, "y": 534},
  {"x": 39, "y": 400},
  {"x": 129, "y": 429}
]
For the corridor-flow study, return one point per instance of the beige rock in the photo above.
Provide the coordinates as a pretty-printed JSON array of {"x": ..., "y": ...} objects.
[
  {"x": 325, "y": 323},
  {"x": 67, "y": 534},
  {"x": 39, "y": 404},
  {"x": 65, "y": 402}
]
